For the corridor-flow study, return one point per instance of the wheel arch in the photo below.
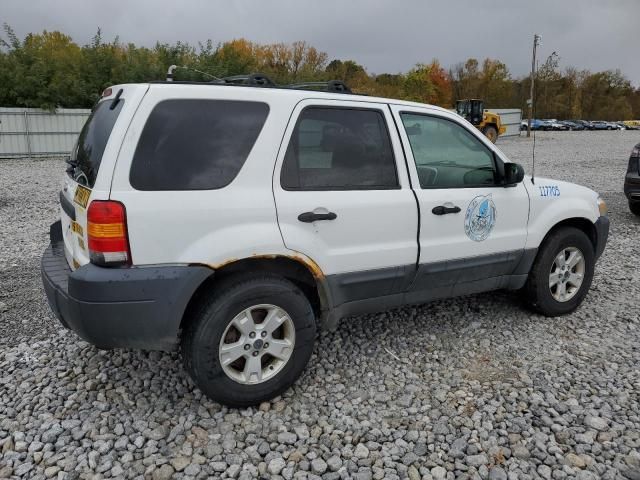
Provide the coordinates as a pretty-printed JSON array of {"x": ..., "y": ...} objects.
[
  {"x": 581, "y": 223},
  {"x": 300, "y": 270}
]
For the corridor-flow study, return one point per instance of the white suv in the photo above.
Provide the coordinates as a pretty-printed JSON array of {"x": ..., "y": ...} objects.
[{"x": 235, "y": 220}]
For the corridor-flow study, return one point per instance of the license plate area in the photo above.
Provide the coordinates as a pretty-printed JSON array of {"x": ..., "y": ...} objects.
[{"x": 81, "y": 196}]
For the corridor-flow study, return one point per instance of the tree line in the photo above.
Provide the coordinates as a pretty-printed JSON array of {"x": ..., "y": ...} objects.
[{"x": 49, "y": 70}]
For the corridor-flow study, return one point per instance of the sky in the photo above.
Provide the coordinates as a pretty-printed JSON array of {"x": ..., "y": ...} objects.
[{"x": 383, "y": 35}]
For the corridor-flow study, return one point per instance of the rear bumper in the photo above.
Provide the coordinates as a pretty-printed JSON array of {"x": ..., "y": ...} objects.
[
  {"x": 602, "y": 234},
  {"x": 138, "y": 307}
]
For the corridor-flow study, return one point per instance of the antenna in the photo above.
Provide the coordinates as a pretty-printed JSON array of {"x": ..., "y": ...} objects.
[
  {"x": 172, "y": 69},
  {"x": 532, "y": 105},
  {"x": 533, "y": 157}
]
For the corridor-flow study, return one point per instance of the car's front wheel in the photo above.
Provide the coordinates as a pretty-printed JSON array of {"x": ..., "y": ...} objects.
[
  {"x": 250, "y": 340},
  {"x": 634, "y": 207},
  {"x": 562, "y": 273}
]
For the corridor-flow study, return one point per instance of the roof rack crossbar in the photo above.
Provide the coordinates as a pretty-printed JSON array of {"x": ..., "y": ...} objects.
[
  {"x": 335, "y": 86},
  {"x": 254, "y": 80}
]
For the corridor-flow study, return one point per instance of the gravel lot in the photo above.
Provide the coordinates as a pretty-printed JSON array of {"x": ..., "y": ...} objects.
[{"x": 474, "y": 387}]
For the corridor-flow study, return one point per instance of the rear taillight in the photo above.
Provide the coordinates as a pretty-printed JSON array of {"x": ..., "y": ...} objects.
[
  {"x": 634, "y": 160},
  {"x": 107, "y": 233}
]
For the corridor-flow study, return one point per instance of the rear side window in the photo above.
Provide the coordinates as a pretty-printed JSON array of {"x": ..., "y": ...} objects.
[
  {"x": 87, "y": 155},
  {"x": 195, "y": 144},
  {"x": 339, "y": 149}
]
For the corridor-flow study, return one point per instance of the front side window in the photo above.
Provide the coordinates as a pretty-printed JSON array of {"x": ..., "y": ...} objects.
[
  {"x": 339, "y": 149},
  {"x": 447, "y": 155},
  {"x": 195, "y": 144}
]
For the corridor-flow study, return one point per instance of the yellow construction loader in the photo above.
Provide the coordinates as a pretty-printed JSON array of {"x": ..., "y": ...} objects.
[{"x": 487, "y": 122}]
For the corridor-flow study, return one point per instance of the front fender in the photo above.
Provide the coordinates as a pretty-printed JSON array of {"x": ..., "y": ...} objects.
[{"x": 552, "y": 202}]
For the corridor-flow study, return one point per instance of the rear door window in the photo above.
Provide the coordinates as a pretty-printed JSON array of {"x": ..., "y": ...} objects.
[
  {"x": 87, "y": 155},
  {"x": 190, "y": 144},
  {"x": 339, "y": 149}
]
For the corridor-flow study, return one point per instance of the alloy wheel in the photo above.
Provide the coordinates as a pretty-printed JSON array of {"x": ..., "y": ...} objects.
[
  {"x": 567, "y": 274},
  {"x": 257, "y": 344}
]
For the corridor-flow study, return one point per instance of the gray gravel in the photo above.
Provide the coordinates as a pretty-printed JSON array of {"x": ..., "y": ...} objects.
[{"x": 482, "y": 388}]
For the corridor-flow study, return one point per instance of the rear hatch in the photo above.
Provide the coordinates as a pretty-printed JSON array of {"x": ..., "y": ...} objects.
[{"x": 91, "y": 163}]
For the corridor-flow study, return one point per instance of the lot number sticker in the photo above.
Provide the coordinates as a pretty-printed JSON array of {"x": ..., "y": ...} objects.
[{"x": 549, "y": 191}]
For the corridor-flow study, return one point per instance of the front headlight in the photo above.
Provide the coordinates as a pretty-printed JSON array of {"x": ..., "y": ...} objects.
[{"x": 602, "y": 207}]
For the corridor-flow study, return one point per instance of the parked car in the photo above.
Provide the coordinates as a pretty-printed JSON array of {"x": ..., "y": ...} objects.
[
  {"x": 235, "y": 220},
  {"x": 535, "y": 125},
  {"x": 541, "y": 125},
  {"x": 586, "y": 124},
  {"x": 571, "y": 125},
  {"x": 601, "y": 125},
  {"x": 555, "y": 125},
  {"x": 632, "y": 180}
]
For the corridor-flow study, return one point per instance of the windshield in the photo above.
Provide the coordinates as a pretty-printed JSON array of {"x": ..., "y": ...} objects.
[{"x": 87, "y": 155}]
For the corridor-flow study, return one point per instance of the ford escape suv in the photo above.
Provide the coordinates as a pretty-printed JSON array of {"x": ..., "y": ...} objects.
[{"x": 233, "y": 220}]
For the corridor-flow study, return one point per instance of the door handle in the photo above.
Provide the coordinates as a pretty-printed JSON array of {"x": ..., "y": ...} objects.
[
  {"x": 308, "y": 217},
  {"x": 442, "y": 210}
]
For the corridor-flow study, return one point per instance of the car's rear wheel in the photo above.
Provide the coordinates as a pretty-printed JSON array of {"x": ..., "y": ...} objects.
[
  {"x": 250, "y": 340},
  {"x": 634, "y": 207},
  {"x": 562, "y": 273}
]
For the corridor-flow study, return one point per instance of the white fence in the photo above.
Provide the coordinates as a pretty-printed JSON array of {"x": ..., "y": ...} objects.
[
  {"x": 31, "y": 132},
  {"x": 510, "y": 118}
]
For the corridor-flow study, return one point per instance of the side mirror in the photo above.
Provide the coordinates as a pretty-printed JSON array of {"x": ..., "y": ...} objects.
[{"x": 513, "y": 174}]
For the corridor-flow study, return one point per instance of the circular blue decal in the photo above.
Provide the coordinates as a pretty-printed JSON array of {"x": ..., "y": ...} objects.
[{"x": 480, "y": 218}]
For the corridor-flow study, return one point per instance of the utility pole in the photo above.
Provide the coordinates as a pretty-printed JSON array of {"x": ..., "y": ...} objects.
[{"x": 536, "y": 42}]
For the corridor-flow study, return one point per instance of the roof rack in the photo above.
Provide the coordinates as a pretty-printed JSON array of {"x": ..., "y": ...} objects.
[
  {"x": 254, "y": 80},
  {"x": 261, "y": 80},
  {"x": 335, "y": 86}
]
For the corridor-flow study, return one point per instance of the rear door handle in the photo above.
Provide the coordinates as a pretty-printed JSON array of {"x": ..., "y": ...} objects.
[
  {"x": 308, "y": 217},
  {"x": 442, "y": 210}
]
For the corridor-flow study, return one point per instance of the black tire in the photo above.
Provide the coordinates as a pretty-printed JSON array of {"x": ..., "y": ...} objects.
[
  {"x": 491, "y": 133},
  {"x": 203, "y": 332},
  {"x": 537, "y": 292},
  {"x": 634, "y": 207}
]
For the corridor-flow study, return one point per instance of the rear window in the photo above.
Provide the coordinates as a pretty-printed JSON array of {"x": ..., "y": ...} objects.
[
  {"x": 195, "y": 144},
  {"x": 87, "y": 155}
]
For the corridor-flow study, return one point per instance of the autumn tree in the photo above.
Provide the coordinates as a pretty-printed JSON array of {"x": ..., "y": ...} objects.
[{"x": 428, "y": 84}]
